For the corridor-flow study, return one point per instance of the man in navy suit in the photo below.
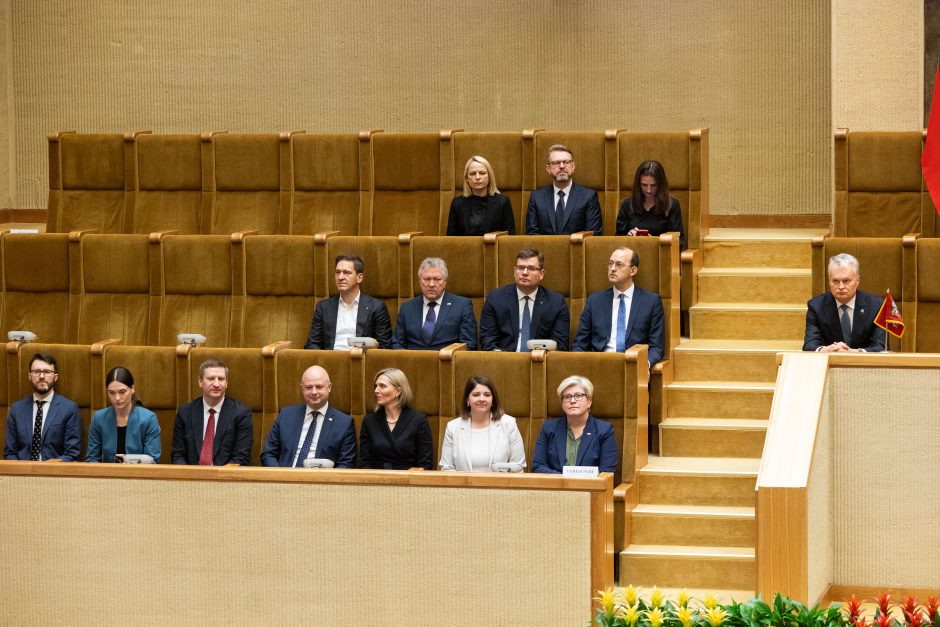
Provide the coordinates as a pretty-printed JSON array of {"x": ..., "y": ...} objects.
[
  {"x": 350, "y": 313},
  {"x": 564, "y": 207},
  {"x": 522, "y": 311},
  {"x": 437, "y": 318},
  {"x": 214, "y": 429},
  {"x": 44, "y": 425},
  {"x": 624, "y": 315},
  {"x": 311, "y": 429},
  {"x": 843, "y": 319}
]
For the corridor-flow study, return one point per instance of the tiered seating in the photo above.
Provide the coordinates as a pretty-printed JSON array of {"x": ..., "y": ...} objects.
[
  {"x": 169, "y": 194},
  {"x": 326, "y": 181},
  {"x": 38, "y": 295},
  {"x": 922, "y": 326},
  {"x": 247, "y": 183}
]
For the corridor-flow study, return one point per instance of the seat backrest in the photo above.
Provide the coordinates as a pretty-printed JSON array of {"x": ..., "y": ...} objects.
[
  {"x": 465, "y": 265},
  {"x": 247, "y": 183},
  {"x": 326, "y": 183},
  {"x": 169, "y": 193},
  {"x": 279, "y": 290},
  {"x": 595, "y": 157},
  {"x": 197, "y": 288},
  {"x": 380, "y": 256},
  {"x": 115, "y": 300},
  {"x": 407, "y": 194},
  {"x": 36, "y": 283},
  {"x": 505, "y": 152},
  {"x": 926, "y": 330},
  {"x": 86, "y": 182},
  {"x": 880, "y": 191}
]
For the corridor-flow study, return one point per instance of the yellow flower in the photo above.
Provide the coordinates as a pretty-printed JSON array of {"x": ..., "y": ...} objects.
[
  {"x": 629, "y": 595},
  {"x": 656, "y": 597},
  {"x": 715, "y": 616},
  {"x": 711, "y": 601},
  {"x": 684, "y": 615},
  {"x": 631, "y": 615},
  {"x": 655, "y": 617},
  {"x": 683, "y": 599},
  {"x": 606, "y": 599}
]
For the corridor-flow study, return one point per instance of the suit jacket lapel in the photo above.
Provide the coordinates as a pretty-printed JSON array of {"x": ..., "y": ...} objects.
[
  {"x": 858, "y": 318},
  {"x": 606, "y": 313},
  {"x": 362, "y": 314},
  {"x": 196, "y": 418},
  {"x": 446, "y": 306},
  {"x": 464, "y": 434},
  {"x": 514, "y": 319},
  {"x": 561, "y": 439},
  {"x": 294, "y": 424},
  {"x": 330, "y": 314},
  {"x": 587, "y": 439},
  {"x": 52, "y": 412},
  {"x": 222, "y": 423},
  {"x": 570, "y": 199},
  {"x": 324, "y": 430},
  {"x": 634, "y": 305},
  {"x": 538, "y": 304}
]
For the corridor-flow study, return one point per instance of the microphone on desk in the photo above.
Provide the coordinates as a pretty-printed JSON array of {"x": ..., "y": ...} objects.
[
  {"x": 506, "y": 467},
  {"x": 318, "y": 462},
  {"x": 138, "y": 459}
]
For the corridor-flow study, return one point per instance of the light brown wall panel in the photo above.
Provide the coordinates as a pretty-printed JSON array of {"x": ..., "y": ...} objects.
[{"x": 756, "y": 73}]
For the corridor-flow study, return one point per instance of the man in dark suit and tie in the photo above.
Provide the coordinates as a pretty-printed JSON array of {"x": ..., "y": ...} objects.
[
  {"x": 624, "y": 315},
  {"x": 311, "y": 429},
  {"x": 214, "y": 429},
  {"x": 843, "y": 319},
  {"x": 350, "y": 313},
  {"x": 522, "y": 311},
  {"x": 437, "y": 318},
  {"x": 564, "y": 207},
  {"x": 44, "y": 425}
]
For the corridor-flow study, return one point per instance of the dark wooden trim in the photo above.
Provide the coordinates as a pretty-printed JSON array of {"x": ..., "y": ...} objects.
[
  {"x": 23, "y": 216},
  {"x": 803, "y": 221}
]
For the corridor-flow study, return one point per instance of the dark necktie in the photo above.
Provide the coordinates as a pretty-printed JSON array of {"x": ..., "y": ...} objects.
[
  {"x": 621, "y": 326},
  {"x": 560, "y": 211},
  {"x": 846, "y": 324},
  {"x": 525, "y": 329},
  {"x": 205, "y": 455},
  {"x": 308, "y": 441},
  {"x": 428, "y": 329},
  {"x": 36, "y": 444}
]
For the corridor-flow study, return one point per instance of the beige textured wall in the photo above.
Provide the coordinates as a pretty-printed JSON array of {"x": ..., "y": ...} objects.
[
  {"x": 756, "y": 73},
  {"x": 886, "y": 463},
  {"x": 7, "y": 119},
  {"x": 877, "y": 64}
]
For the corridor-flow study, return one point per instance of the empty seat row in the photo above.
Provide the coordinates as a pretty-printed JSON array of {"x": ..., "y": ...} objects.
[
  {"x": 370, "y": 183},
  {"x": 252, "y": 290}
]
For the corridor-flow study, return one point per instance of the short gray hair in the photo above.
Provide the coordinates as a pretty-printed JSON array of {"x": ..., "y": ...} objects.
[
  {"x": 574, "y": 379},
  {"x": 843, "y": 260},
  {"x": 433, "y": 262}
]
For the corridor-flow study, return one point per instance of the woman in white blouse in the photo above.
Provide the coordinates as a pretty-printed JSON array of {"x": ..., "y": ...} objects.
[{"x": 483, "y": 435}]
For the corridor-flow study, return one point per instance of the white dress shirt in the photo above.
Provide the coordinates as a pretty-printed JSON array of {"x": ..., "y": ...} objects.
[
  {"x": 308, "y": 419},
  {"x": 346, "y": 316},
  {"x": 627, "y": 300}
]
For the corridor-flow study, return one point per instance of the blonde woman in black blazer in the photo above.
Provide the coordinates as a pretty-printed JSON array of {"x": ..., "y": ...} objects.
[
  {"x": 481, "y": 209},
  {"x": 394, "y": 436}
]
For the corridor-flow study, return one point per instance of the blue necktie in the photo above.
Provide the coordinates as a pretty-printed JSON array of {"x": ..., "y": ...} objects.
[
  {"x": 305, "y": 449},
  {"x": 621, "y": 326},
  {"x": 846, "y": 324},
  {"x": 560, "y": 211},
  {"x": 525, "y": 328},
  {"x": 427, "y": 330}
]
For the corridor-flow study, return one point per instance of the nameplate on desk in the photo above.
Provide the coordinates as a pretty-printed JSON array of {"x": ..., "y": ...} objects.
[{"x": 580, "y": 472}]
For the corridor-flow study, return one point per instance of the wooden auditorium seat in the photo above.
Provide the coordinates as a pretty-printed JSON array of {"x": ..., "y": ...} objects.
[
  {"x": 464, "y": 257},
  {"x": 409, "y": 192},
  {"x": 113, "y": 276},
  {"x": 169, "y": 185},
  {"x": 325, "y": 183},
  {"x": 885, "y": 263},
  {"x": 922, "y": 326},
  {"x": 278, "y": 290},
  {"x": 880, "y": 190},
  {"x": 38, "y": 295},
  {"x": 86, "y": 182},
  {"x": 383, "y": 258}
]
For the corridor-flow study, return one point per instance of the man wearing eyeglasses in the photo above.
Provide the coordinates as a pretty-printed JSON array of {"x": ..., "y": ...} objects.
[
  {"x": 44, "y": 425},
  {"x": 564, "y": 207},
  {"x": 623, "y": 315},
  {"x": 522, "y": 311},
  {"x": 437, "y": 318}
]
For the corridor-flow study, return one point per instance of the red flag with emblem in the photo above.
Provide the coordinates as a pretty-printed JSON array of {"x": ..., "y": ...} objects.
[{"x": 889, "y": 318}]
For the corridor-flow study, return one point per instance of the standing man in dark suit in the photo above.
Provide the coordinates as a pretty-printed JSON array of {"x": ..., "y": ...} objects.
[
  {"x": 214, "y": 429},
  {"x": 350, "y": 313},
  {"x": 312, "y": 428},
  {"x": 624, "y": 315},
  {"x": 437, "y": 318},
  {"x": 843, "y": 319},
  {"x": 522, "y": 311},
  {"x": 564, "y": 207},
  {"x": 44, "y": 425}
]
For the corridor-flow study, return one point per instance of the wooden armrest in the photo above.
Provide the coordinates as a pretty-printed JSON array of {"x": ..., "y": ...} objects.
[
  {"x": 274, "y": 347},
  {"x": 320, "y": 238}
]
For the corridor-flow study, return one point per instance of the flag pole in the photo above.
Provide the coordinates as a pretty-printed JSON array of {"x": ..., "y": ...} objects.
[{"x": 886, "y": 333}]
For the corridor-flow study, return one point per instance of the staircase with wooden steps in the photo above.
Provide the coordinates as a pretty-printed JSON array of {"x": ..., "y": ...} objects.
[{"x": 694, "y": 526}]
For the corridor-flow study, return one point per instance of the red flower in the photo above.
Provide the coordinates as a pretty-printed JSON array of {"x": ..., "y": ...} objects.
[
  {"x": 859, "y": 621},
  {"x": 884, "y": 600},
  {"x": 884, "y": 620},
  {"x": 854, "y": 607},
  {"x": 910, "y": 605},
  {"x": 933, "y": 606}
]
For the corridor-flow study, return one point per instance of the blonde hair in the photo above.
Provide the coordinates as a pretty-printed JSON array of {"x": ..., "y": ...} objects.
[
  {"x": 399, "y": 381},
  {"x": 491, "y": 183},
  {"x": 574, "y": 379}
]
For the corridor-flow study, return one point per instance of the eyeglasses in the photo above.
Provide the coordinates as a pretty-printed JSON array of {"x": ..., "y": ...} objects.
[
  {"x": 42, "y": 373},
  {"x": 619, "y": 265},
  {"x": 564, "y": 162},
  {"x": 578, "y": 397},
  {"x": 521, "y": 268}
]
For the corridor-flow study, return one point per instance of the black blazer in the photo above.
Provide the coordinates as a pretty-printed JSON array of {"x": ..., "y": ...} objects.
[
  {"x": 372, "y": 320},
  {"x": 497, "y": 215},
  {"x": 499, "y": 321},
  {"x": 655, "y": 223},
  {"x": 823, "y": 326},
  {"x": 233, "y": 434},
  {"x": 408, "y": 446},
  {"x": 582, "y": 212}
]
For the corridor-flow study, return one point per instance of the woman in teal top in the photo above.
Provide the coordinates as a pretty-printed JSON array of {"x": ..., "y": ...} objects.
[{"x": 125, "y": 427}]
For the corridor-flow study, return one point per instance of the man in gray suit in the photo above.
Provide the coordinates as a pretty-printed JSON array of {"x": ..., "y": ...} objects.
[{"x": 350, "y": 313}]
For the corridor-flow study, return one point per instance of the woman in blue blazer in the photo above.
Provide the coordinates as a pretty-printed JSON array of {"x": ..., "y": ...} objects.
[
  {"x": 592, "y": 440},
  {"x": 125, "y": 427}
]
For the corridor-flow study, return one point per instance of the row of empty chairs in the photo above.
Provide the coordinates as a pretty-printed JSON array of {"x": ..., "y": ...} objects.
[
  {"x": 267, "y": 379},
  {"x": 370, "y": 183},
  {"x": 252, "y": 290}
]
